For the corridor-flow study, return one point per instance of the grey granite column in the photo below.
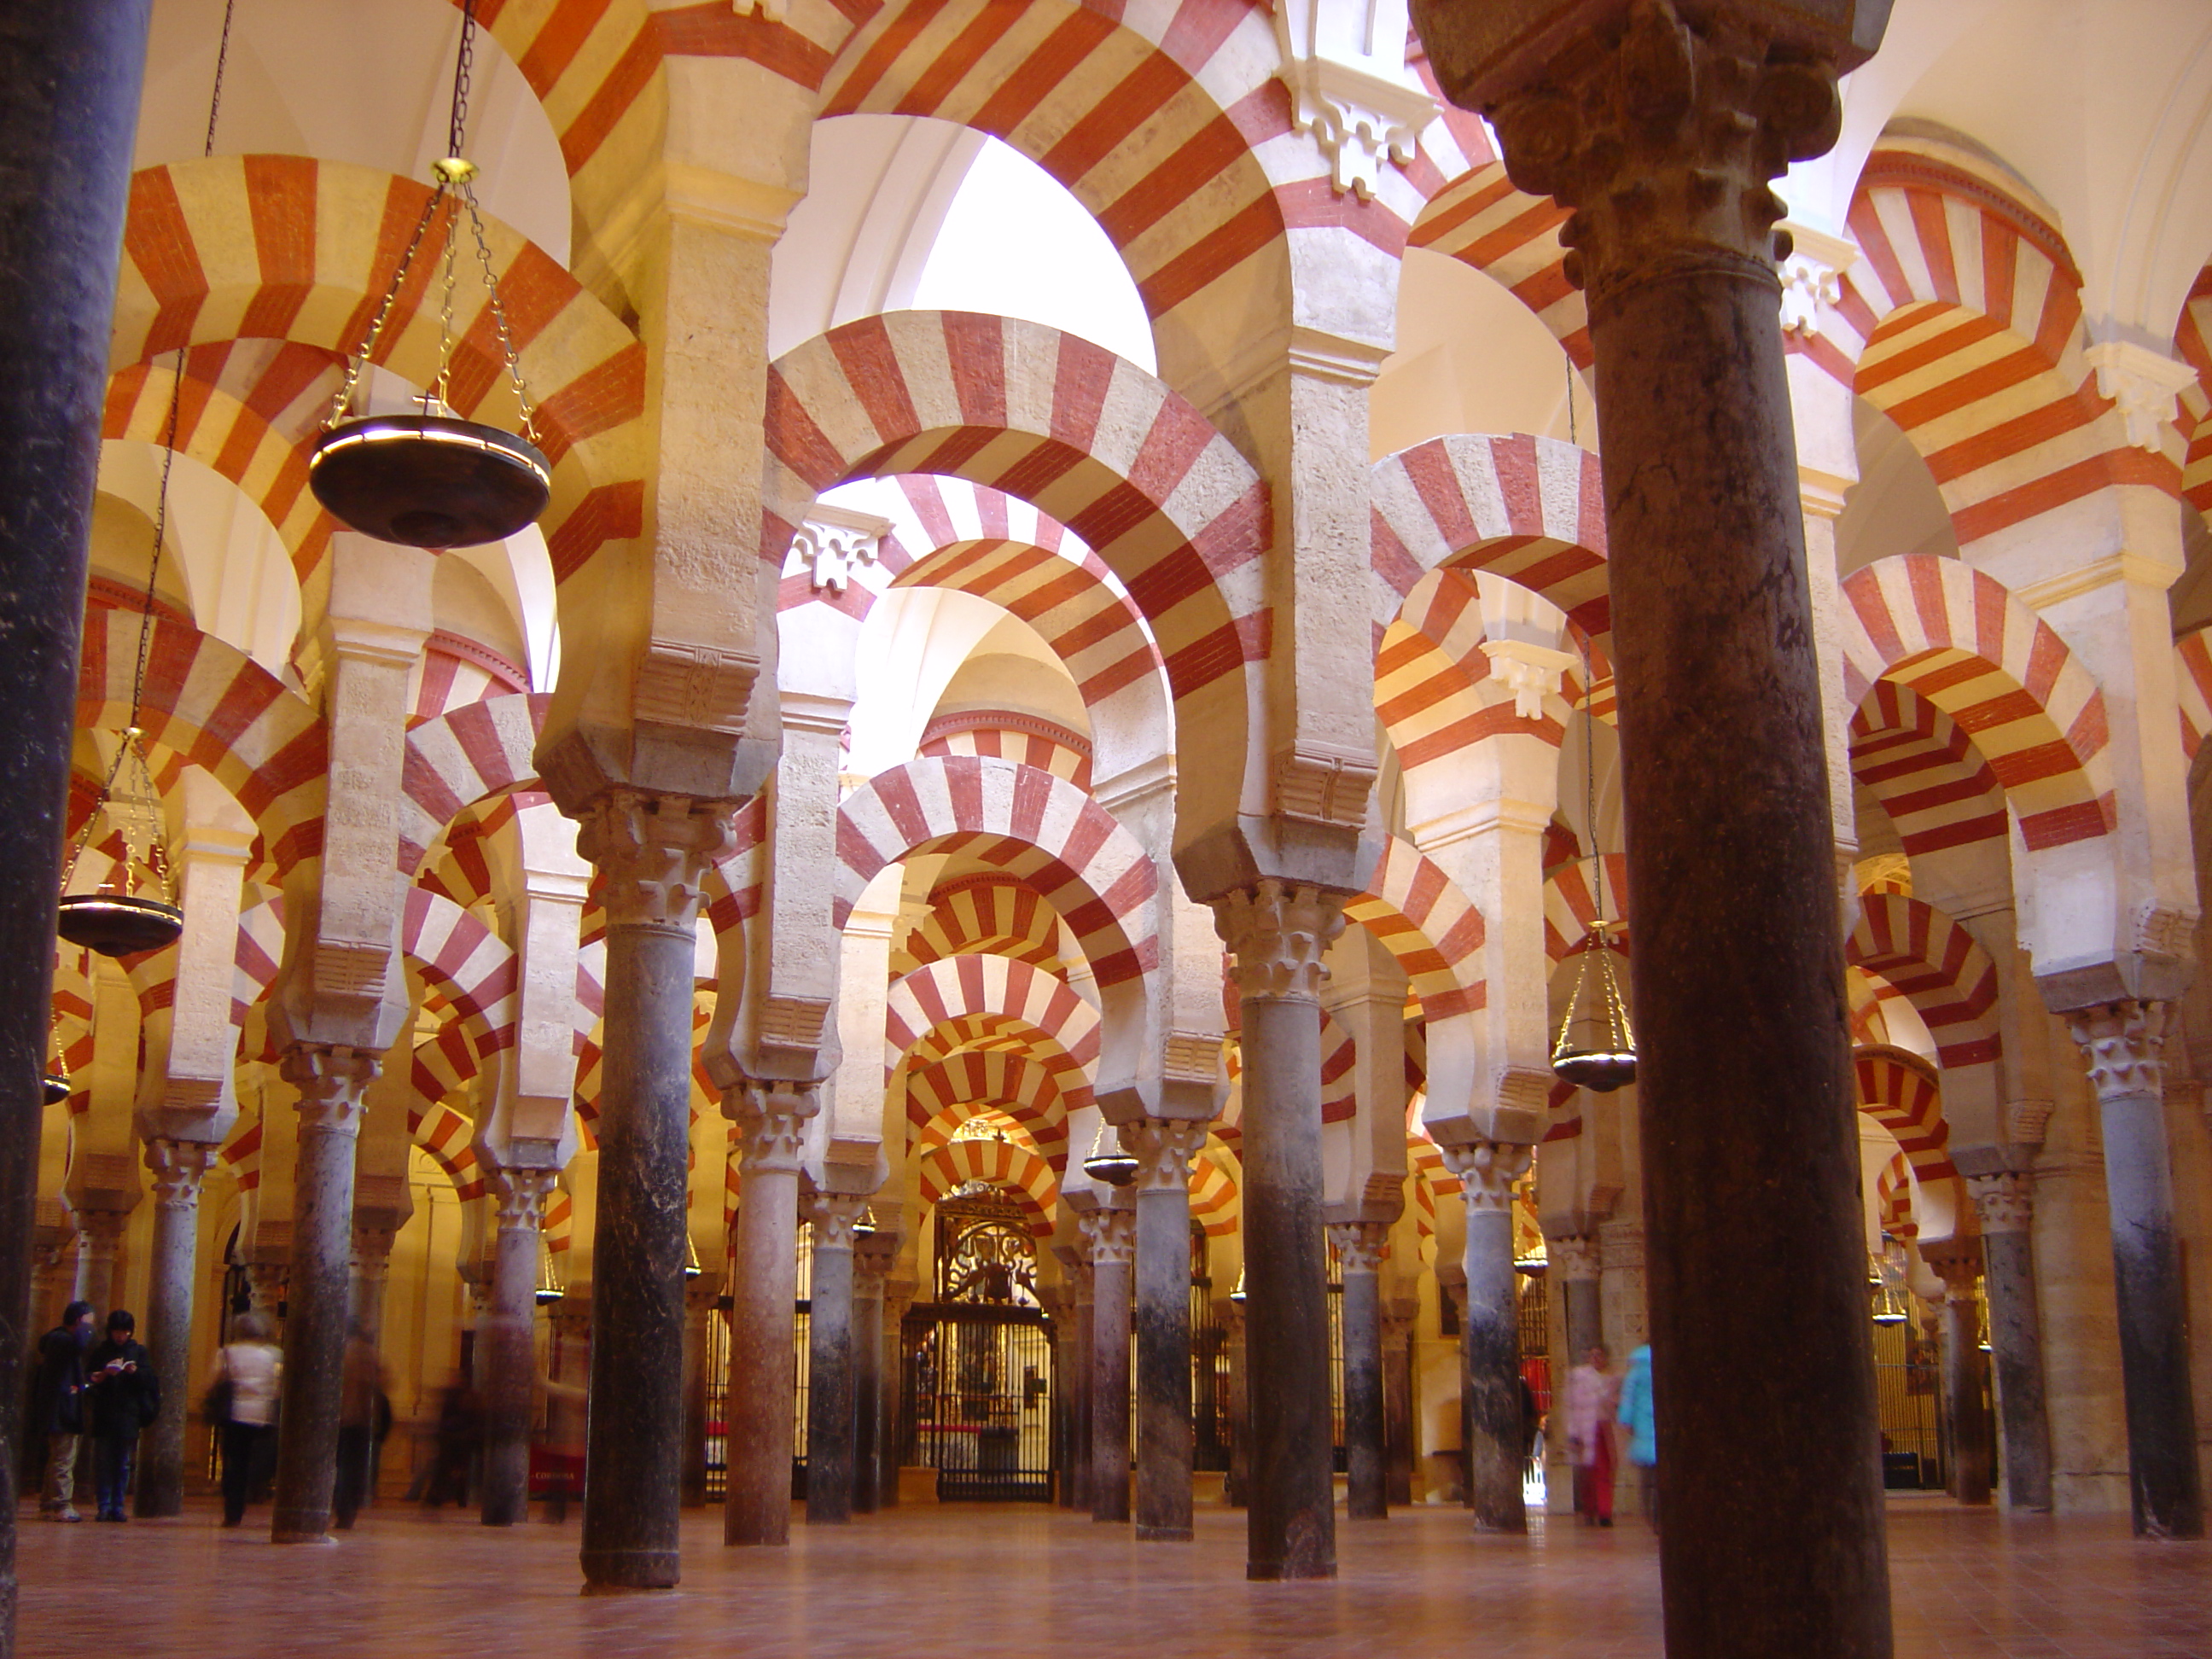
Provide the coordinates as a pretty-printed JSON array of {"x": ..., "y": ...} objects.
[
  {"x": 1359, "y": 1248},
  {"x": 1660, "y": 127},
  {"x": 2124, "y": 1045},
  {"x": 1111, "y": 1238},
  {"x": 874, "y": 1253},
  {"x": 99, "y": 1238},
  {"x": 332, "y": 1080},
  {"x": 1398, "y": 1399},
  {"x": 1958, "y": 1263},
  {"x": 1075, "y": 1379},
  {"x": 771, "y": 1120},
  {"x": 698, "y": 1309},
  {"x": 1490, "y": 1334},
  {"x": 177, "y": 1168},
  {"x": 830, "y": 1434},
  {"x": 507, "y": 1343},
  {"x": 1576, "y": 1264},
  {"x": 1277, "y": 935},
  {"x": 898, "y": 1296},
  {"x": 71, "y": 75},
  {"x": 1164, "y": 1148},
  {"x": 651, "y": 854},
  {"x": 2006, "y": 1201}
]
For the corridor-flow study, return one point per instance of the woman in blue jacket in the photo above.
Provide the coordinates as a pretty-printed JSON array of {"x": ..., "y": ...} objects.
[{"x": 1634, "y": 1415}]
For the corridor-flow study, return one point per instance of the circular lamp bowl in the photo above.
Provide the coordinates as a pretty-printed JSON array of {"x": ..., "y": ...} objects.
[
  {"x": 57, "y": 1089},
  {"x": 118, "y": 924},
  {"x": 1600, "y": 1071},
  {"x": 546, "y": 1294},
  {"x": 428, "y": 480},
  {"x": 1889, "y": 1319},
  {"x": 1115, "y": 1168}
]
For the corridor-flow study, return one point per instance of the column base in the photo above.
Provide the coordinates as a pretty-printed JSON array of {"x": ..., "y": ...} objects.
[
  {"x": 1256, "y": 1574},
  {"x": 297, "y": 1533},
  {"x": 1163, "y": 1534},
  {"x": 617, "y": 1572}
]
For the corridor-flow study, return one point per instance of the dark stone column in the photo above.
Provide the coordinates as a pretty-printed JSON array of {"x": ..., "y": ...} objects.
[
  {"x": 2007, "y": 1204},
  {"x": 1236, "y": 1487},
  {"x": 1490, "y": 1334},
  {"x": 771, "y": 1120},
  {"x": 652, "y": 852},
  {"x": 874, "y": 1254},
  {"x": 830, "y": 1433},
  {"x": 1075, "y": 1379},
  {"x": 1111, "y": 1237},
  {"x": 898, "y": 1296},
  {"x": 1576, "y": 1266},
  {"x": 506, "y": 1344},
  {"x": 2124, "y": 1045},
  {"x": 318, "y": 1291},
  {"x": 1359, "y": 1247},
  {"x": 177, "y": 1168},
  {"x": 1398, "y": 1400},
  {"x": 698, "y": 1308},
  {"x": 1164, "y": 1148},
  {"x": 1277, "y": 935},
  {"x": 68, "y": 109},
  {"x": 1662, "y": 137},
  {"x": 1958, "y": 1263}
]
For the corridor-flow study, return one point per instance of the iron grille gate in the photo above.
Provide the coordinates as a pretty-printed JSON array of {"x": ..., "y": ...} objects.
[{"x": 976, "y": 1402}]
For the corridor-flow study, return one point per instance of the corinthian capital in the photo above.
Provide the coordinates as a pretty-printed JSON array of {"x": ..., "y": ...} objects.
[
  {"x": 835, "y": 1215},
  {"x": 1576, "y": 1255},
  {"x": 1109, "y": 1237},
  {"x": 177, "y": 1168},
  {"x": 522, "y": 1194},
  {"x": 1360, "y": 1245},
  {"x": 1163, "y": 1148},
  {"x": 1486, "y": 1171},
  {"x": 2124, "y": 1043},
  {"x": 771, "y": 1121},
  {"x": 2005, "y": 1200},
  {"x": 1277, "y": 935},
  {"x": 653, "y": 852},
  {"x": 332, "y": 1080},
  {"x": 1660, "y": 131}
]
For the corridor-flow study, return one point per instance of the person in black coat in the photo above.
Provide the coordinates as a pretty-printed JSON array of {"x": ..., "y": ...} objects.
[
  {"x": 124, "y": 1397},
  {"x": 58, "y": 1408}
]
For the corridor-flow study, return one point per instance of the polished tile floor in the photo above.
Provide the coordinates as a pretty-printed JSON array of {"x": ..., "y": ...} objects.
[{"x": 984, "y": 1582}]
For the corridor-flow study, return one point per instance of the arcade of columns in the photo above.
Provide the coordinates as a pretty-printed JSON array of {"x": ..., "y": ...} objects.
[{"x": 1308, "y": 980}]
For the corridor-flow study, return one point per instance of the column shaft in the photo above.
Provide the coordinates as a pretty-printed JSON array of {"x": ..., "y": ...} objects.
[
  {"x": 177, "y": 1168},
  {"x": 99, "y": 1236},
  {"x": 1359, "y": 1247},
  {"x": 2006, "y": 1201},
  {"x": 1490, "y": 1341},
  {"x": 1111, "y": 1235},
  {"x": 891, "y": 1451},
  {"x": 830, "y": 1393},
  {"x": 317, "y": 1291},
  {"x": 1075, "y": 1377},
  {"x": 506, "y": 1345},
  {"x": 1164, "y": 1148},
  {"x": 697, "y": 1310},
  {"x": 764, "y": 1284}
]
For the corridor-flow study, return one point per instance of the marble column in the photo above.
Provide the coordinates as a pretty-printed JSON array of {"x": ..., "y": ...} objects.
[
  {"x": 332, "y": 1079},
  {"x": 698, "y": 1309},
  {"x": 874, "y": 1253},
  {"x": 2006, "y": 1204},
  {"x": 99, "y": 1240},
  {"x": 1359, "y": 1248},
  {"x": 1958, "y": 1263},
  {"x": 1075, "y": 1379},
  {"x": 1237, "y": 1485},
  {"x": 370, "y": 1272},
  {"x": 1398, "y": 1399},
  {"x": 177, "y": 1168},
  {"x": 2124, "y": 1043},
  {"x": 507, "y": 1343},
  {"x": 1661, "y": 134},
  {"x": 72, "y": 76},
  {"x": 1110, "y": 1236},
  {"x": 771, "y": 1125},
  {"x": 651, "y": 854},
  {"x": 1277, "y": 935},
  {"x": 898, "y": 1296},
  {"x": 831, "y": 1435},
  {"x": 1164, "y": 1148},
  {"x": 1575, "y": 1263},
  {"x": 1489, "y": 1333}
]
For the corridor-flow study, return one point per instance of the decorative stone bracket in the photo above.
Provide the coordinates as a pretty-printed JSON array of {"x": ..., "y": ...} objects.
[
  {"x": 834, "y": 542},
  {"x": 2144, "y": 383},
  {"x": 1345, "y": 67}
]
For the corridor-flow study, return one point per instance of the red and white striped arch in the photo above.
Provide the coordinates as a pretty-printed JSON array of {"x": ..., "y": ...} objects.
[
  {"x": 470, "y": 968},
  {"x": 1007, "y": 995},
  {"x": 1482, "y": 220},
  {"x": 1029, "y": 824},
  {"x": 1953, "y": 635},
  {"x": 1008, "y": 734},
  {"x": 1927, "y": 774},
  {"x": 463, "y": 757},
  {"x": 1215, "y": 1200},
  {"x": 1430, "y": 927},
  {"x": 1896, "y": 1090},
  {"x": 460, "y": 866},
  {"x": 1963, "y": 323},
  {"x": 1164, "y": 500},
  {"x": 2193, "y": 679},
  {"x": 1433, "y": 692},
  {"x": 2192, "y": 345},
  {"x": 1529, "y": 509},
  {"x": 217, "y": 709},
  {"x": 950, "y": 1165},
  {"x": 1949, "y": 979},
  {"x": 1572, "y": 893},
  {"x": 943, "y": 1093},
  {"x": 986, "y": 915},
  {"x": 1893, "y": 1198},
  {"x": 293, "y": 248}
]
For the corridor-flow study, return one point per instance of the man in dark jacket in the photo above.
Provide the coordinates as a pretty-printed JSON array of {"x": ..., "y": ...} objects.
[
  {"x": 58, "y": 1407},
  {"x": 125, "y": 1396}
]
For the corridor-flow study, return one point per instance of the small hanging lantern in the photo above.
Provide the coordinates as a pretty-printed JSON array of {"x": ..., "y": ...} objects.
[
  {"x": 866, "y": 1226},
  {"x": 552, "y": 1284},
  {"x": 1596, "y": 1048},
  {"x": 136, "y": 907},
  {"x": 1237, "y": 1296},
  {"x": 1110, "y": 1161},
  {"x": 691, "y": 1267},
  {"x": 55, "y": 1085},
  {"x": 1884, "y": 1279},
  {"x": 434, "y": 479}
]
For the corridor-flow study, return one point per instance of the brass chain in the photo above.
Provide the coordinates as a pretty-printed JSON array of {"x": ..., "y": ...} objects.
[{"x": 499, "y": 313}]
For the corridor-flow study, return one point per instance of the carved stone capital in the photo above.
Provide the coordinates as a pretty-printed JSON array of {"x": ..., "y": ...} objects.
[
  {"x": 2124, "y": 1044},
  {"x": 1163, "y": 1148},
  {"x": 522, "y": 1195},
  {"x": 1486, "y": 1171},
  {"x": 1661, "y": 134},
  {"x": 2005, "y": 1200},
  {"x": 771, "y": 1120},
  {"x": 1576, "y": 1256},
  {"x": 874, "y": 1256},
  {"x": 835, "y": 1215},
  {"x": 1958, "y": 1263},
  {"x": 99, "y": 1232},
  {"x": 1360, "y": 1245},
  {"x": 2143, "y": 384},
  {"x": 1110, "y": 1237},
  {"x": 1277, "y": 935},
  {"x": 177, "y": 1168},
  {"x": 653, "y": 853},
  {"x": 372, "y": 1251},
  {"x": 333, "y": 1084}
]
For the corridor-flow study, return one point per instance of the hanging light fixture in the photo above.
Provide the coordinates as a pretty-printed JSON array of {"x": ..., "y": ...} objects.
[
  {"x": 1237, "y": 1296},
  {"x": 866, "y": 1226},
  {"x": 434, "y": 479},
  {"x": 55, "y": 1084},
  {"x": 1597, "y": 1050},
  {"x": 552, "y": 1284},
  {"x": 1110, "y": 1161},
  {"x": 691, "y": 1267},
  {"x": 1889, "y": 1307}
]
